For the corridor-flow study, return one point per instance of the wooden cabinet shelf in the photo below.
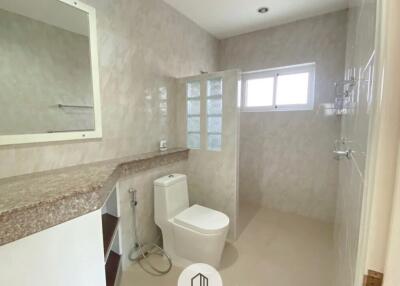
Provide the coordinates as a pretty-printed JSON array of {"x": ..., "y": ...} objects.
[
  {"x": 110, "y": 227},
  {"x": 112, "y": 268},
  {"x": 112, "y": 238}
]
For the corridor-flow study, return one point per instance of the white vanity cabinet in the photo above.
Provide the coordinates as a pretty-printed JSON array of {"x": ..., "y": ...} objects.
[
  {"x": 68, "y": 254},
  {"x": 85, "y": 251}
]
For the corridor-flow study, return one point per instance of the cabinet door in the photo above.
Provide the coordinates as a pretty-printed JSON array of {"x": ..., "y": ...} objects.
[{"x": 67, "y": 254}]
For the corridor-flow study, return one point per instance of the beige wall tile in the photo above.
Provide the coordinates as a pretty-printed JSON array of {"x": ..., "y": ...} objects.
[
  {"x": 143, "y": 46},
  {"x": 213, "y": 175},
  {"x": 146, "y": 230},
  {"x": 355, "y": 128},
  {"x": 286, "y": 160}
]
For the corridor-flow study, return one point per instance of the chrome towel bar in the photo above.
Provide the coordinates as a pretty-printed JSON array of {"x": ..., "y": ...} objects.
[{"x": 74, "y": 106}]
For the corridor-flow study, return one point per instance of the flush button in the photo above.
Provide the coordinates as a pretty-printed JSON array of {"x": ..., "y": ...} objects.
[{"x": 170, "y": 176}]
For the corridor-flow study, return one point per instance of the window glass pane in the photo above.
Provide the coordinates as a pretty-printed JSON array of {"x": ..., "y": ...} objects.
[
  {"x": 292, "y": 89},
  {"x": 193, "y": 140},
  {"x": 193, "y": 107},
  {"x": 214, "y": 106},
  {"x": 260, "y": 92},
  {"x": 193, "y": 124},
  {"x": 214, "y": 142},
  {"x": 193, "y": 89},
  {"x": 214, "y": 124},
  {"x": 214, "y": 87}
]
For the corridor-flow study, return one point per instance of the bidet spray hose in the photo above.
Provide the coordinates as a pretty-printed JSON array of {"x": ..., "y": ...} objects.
[{"x": 143, "y": 255}]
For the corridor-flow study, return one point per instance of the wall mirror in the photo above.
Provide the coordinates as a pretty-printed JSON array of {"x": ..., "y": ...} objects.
[{"x": 49, "y": 78}]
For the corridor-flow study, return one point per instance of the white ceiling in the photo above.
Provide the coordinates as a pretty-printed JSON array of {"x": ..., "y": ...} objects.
[{"x": 227, "y": 18}]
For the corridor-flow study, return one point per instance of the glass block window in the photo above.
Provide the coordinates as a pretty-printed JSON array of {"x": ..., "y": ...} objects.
[
  {"x": 193, "y": 91},
  {"x": 214, "y": 114}
]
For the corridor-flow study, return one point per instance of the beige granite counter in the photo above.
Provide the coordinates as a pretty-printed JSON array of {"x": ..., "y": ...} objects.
[{"x": 34, "y": 202}]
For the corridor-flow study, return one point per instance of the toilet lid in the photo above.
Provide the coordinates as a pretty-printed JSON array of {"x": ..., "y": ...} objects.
[{"x": 202, "y": 219}]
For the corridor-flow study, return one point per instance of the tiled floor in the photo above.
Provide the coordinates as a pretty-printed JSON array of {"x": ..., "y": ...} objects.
[{"x": 273, "y": 248}]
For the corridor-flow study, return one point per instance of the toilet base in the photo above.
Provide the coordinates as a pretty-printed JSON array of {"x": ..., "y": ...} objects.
[{"x": 188, "y": 247}]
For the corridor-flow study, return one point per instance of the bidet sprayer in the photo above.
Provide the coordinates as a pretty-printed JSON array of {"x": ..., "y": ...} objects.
[{"x": 133, "y": 192}]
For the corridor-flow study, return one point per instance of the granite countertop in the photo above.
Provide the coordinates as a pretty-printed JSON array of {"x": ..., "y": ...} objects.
[{"x": 34, "y": 202}]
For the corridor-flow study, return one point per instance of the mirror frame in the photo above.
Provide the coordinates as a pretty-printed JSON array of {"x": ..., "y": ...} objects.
[{"x": 74, "y": 135}]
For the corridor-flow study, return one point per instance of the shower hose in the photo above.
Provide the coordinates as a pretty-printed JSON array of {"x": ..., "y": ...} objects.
[{"x": 142, "y": 258}]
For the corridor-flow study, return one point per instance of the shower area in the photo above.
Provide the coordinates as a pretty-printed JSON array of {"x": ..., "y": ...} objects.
[{"x": 279, "y": 140}]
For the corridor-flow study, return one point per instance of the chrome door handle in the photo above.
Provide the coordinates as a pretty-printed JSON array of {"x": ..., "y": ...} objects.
[{"x": 346, "y": 153}]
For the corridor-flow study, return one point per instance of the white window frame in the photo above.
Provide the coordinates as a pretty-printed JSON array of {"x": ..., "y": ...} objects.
[
  {"x": 72, "y": 135},
  {"x": 275, "y": 73}
]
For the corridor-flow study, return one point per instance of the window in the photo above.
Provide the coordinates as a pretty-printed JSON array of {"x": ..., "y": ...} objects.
[
  {"x": 193, "y": 114},
  {"x": 281, "y": 89},
  {"x": 214, "y": 114},
  {"x": 211, "y": 98}
]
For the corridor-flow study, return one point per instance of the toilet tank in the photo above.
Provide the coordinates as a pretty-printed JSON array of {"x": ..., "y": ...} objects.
[{"x": 170, "y": 196}]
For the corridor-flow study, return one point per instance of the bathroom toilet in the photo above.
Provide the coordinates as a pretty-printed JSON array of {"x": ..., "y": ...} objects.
[{"x": 193, "y": 234}]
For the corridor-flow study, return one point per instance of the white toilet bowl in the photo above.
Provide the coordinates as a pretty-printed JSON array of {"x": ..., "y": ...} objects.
[{"x": 193, "y": 234}]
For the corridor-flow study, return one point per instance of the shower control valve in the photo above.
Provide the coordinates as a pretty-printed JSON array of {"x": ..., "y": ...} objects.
[{"x": 346, "y": 153}]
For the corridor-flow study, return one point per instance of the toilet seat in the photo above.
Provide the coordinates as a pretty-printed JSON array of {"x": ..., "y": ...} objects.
[{"x": 202, "y": 219}]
